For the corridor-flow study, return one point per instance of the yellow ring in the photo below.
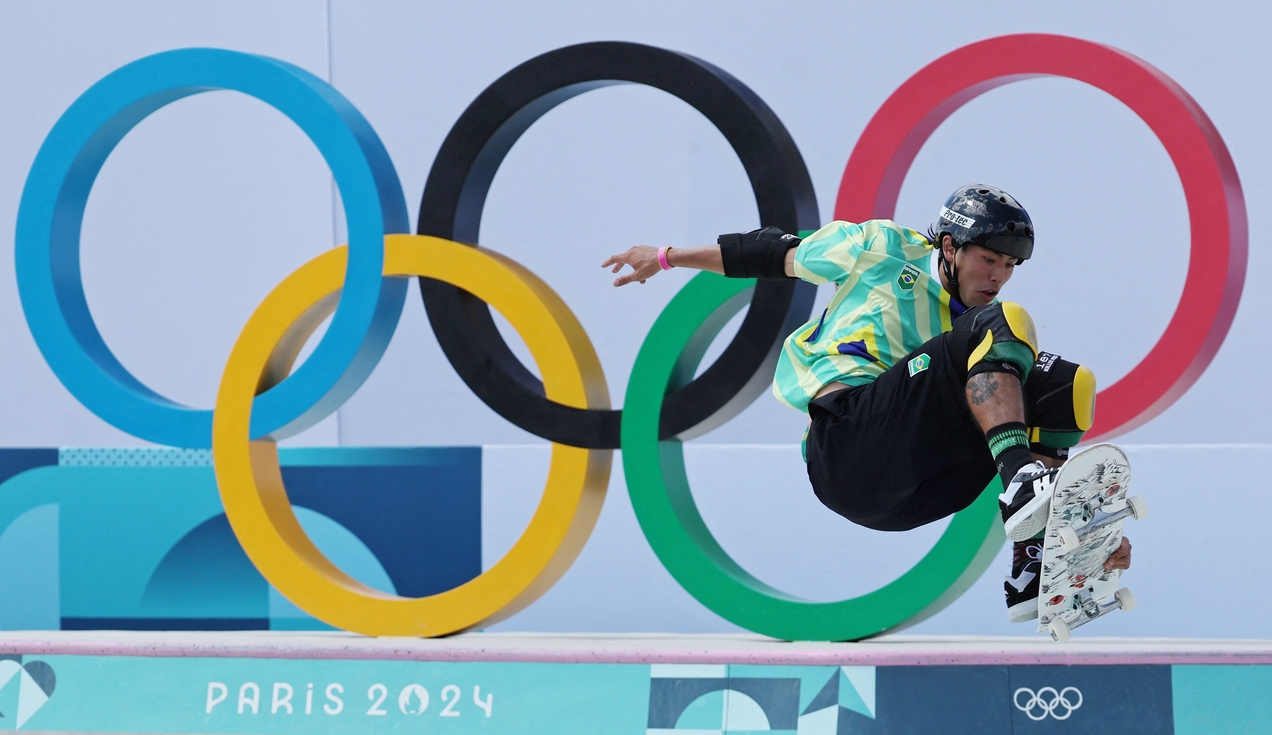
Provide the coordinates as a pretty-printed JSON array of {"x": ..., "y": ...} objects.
[{"x": 251, "y": 483}]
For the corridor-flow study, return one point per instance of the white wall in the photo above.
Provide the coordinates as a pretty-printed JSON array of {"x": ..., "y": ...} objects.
[
  {"x": 1197, "y": 557},
  {"x": 212, "y": 201}
]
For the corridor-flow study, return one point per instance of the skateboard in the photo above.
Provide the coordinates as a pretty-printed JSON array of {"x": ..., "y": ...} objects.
[{"x": 1089, "y": 506}]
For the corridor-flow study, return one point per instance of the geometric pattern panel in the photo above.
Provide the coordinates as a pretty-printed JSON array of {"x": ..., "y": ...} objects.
[{"x": 140, "y": 541}]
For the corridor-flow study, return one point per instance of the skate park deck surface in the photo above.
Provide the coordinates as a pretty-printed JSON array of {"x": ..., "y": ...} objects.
[{"x": 635, "y": 648}]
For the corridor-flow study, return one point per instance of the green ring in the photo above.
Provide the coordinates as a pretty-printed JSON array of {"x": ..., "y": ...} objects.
[{"x": 675, "y": 530}]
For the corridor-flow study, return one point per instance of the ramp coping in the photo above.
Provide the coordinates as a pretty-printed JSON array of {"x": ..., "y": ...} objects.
[{"x": 641, "y": 648}]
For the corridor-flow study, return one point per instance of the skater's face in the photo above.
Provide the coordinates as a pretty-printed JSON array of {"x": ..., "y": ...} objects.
[{"x": 982, "y": 272}]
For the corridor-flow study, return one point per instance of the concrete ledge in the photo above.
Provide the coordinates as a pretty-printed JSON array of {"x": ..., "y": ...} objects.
[{"x": 643, "y": 648}]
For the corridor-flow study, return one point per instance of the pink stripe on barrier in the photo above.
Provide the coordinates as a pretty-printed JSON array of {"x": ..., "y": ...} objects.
[{"x": 637, "y": 649}]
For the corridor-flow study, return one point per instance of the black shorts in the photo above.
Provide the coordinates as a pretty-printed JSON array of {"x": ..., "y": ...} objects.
[{"x": 905, "y": 450}]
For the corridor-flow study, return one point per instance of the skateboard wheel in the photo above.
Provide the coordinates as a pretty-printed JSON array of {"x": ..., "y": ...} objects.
[
  {"x": 1139, "y": 507},
  {"x": 1068, "y": 538},
  {"x": 1125, "y": 598},
  {"x": 1059, "y": 630}
]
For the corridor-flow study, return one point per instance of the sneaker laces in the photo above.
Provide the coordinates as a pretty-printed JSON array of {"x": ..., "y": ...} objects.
[
  {"x": 1024, "y": 554},
  {"x": 1025, "y": 477}
]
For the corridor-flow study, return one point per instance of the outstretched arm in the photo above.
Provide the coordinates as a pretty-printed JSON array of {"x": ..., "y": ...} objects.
[{"x": 643, "y": 260}]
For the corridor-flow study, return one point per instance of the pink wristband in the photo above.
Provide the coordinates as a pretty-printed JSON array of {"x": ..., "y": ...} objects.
[{"x": 662, "y": 258}]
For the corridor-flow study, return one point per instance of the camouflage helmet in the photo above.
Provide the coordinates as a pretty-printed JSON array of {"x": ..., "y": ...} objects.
[{"x": 989, "y": 217}]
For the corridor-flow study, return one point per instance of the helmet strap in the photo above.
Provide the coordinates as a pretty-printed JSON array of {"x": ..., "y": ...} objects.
[{"x": 950, "y": 270}]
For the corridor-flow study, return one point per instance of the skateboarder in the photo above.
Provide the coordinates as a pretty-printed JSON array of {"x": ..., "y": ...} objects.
[{"x": 919, "y": 384}]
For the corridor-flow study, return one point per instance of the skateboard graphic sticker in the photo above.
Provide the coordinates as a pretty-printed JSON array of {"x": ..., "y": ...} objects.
[{"x": 1088, "y": 510}]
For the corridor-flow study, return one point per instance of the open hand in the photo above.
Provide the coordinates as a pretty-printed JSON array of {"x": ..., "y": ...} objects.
[
  {"x": 1120, "y": 559},
  {"x": 642, "y": 258}
]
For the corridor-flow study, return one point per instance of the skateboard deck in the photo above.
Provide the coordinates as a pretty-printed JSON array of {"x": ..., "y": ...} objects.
[{"x": 1089, "y": 507}]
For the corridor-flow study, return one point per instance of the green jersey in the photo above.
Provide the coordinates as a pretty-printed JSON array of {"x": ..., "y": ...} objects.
[{"x": 885, "y": 306}]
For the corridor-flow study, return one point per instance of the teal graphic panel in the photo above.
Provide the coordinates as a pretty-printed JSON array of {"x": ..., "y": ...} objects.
[
  {"x": 739, "y": 699},
  {"x": 265, "y": 696},
  {"x": 1217, "y": 700},
  {"x": 32, "y": 685},
  {"x": 136, "y": 539},
  {"x": 143, "y": 694}
]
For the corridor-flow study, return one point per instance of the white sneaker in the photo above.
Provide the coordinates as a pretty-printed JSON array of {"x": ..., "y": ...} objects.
[{"x": 1027, "y": 501}]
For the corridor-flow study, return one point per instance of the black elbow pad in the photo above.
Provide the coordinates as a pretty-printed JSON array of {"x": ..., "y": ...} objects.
[{"x": 756, "y": 254}]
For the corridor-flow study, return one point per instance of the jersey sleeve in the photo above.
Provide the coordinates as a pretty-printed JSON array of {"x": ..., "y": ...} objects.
[{"x": 829, "y": 254}]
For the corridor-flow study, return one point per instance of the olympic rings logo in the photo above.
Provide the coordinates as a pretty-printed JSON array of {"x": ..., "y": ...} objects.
[
  {"x": 1047, "y": 706},
  {"x": 362, "y": 287}
]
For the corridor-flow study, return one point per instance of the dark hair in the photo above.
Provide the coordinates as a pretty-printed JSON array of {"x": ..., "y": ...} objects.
[{"x": 934, "y": 237}]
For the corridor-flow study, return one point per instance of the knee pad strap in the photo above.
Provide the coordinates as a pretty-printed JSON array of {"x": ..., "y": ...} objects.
[
  {"x": 1059, "y": 404},
  {"x": 1009, "y": 342}
]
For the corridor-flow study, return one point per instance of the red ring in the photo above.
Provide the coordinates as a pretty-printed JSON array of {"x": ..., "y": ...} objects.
[{"x": 1216, "y": 207}]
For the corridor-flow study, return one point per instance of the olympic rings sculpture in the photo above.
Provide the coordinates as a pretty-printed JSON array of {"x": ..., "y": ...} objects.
[
  {"x": 46, "y": 245},
  {"x": 1047, "y": 706},
  {"x": 362, "y": 287}
]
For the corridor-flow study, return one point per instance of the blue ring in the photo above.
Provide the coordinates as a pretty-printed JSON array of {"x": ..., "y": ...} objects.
[{"x": 52, "y": 212}]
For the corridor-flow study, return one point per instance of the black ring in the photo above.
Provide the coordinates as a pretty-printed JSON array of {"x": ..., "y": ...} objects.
[{"x": 456, "y": 194}]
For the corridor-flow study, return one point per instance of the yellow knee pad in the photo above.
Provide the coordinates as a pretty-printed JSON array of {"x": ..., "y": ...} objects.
[
  {"x": 1059, "y": 404},
  {"x": 1008, "y": 341}
]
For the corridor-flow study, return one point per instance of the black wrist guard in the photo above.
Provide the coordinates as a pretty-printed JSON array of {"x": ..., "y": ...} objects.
[{"x": 756, "y": 254}]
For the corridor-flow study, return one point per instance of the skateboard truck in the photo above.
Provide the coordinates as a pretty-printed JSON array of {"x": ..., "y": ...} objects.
[
  {"x": 1089, "y": 507},
  {"x": 1123, "y": 599},
  {"x": 1070, "y": 539}
]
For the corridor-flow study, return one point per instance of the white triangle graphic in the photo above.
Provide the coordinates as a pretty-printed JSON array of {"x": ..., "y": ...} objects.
[
  {"x": 30, "y": 699},
  {"x": 824, "y": 721},
  {"x": 862, "y": 679},
  {"x": 8, "y": 668}
]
